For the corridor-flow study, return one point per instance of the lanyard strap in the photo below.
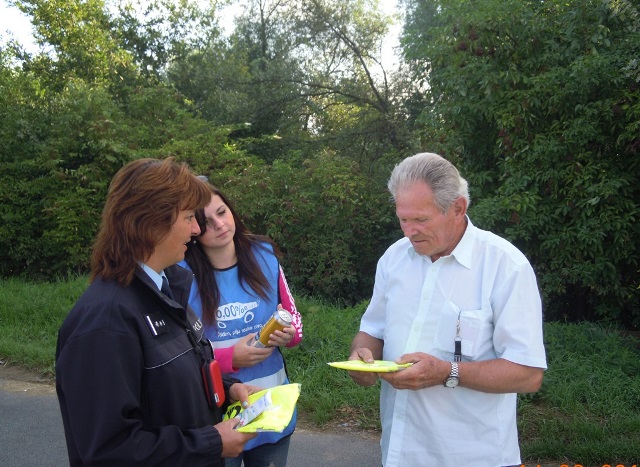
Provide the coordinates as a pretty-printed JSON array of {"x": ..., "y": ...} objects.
[{"x": 457, "y": 355}]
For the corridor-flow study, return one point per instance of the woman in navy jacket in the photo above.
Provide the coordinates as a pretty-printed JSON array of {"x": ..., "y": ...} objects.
[{"x": 129, "y": 356}]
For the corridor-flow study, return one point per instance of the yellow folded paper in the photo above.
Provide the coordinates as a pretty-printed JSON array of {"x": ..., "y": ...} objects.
[
  {"x": 378, "y": 366},
  {"x": 276, "y": 416}
]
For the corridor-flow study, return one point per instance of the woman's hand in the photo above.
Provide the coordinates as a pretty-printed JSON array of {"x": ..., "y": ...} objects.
[
  {"x": 240, "y": 392},
  {"x": 232, "y": 441},
  {"x": 246, "y": 355},
  {"x": 282, "y": 338}
]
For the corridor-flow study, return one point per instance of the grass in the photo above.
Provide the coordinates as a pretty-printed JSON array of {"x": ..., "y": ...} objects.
[
  {"x": 587, "y": 409},
  {"x": 329, "y": 392},
  {"x": 30, "y": 315},
  {"x": 586, "y": 412}
]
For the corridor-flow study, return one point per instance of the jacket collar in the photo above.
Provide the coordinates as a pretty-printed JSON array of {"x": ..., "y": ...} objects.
[{"x": 180, "y": 280}]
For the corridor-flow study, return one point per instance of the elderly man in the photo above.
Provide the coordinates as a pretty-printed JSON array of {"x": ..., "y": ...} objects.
[{"x": 462, "y": 306}]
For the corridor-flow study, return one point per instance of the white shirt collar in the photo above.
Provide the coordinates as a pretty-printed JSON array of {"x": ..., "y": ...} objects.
[{"x": 463, "y": 252}]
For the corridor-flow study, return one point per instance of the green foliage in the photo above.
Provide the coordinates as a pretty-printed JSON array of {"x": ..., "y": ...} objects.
[
  {"x": 57, "y": 168},
  {"x": 158, "y": 32},
  {"x": 301, "y": 74},
  {"x": 84, "y": 44},
  {"x": 331, "y": 223},
  {"x": 538, "y": 103}
]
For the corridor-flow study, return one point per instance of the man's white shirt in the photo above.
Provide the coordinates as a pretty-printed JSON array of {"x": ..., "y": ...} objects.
[{"x": 490, "y": 285}]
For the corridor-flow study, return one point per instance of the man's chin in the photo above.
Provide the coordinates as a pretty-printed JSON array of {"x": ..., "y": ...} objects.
[{"x": 421, "y": 248}]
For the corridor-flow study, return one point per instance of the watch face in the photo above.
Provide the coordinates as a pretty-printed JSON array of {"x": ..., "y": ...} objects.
[{"x": 451, "y": 382}]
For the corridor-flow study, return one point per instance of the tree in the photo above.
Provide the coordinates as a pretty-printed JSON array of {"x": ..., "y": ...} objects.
[
  {"x": 538, "y": 102},
  {"x": 81, "y": 41},
  {"x": 74, "y": 116},
  {"x": 159, "y": 33},
  {"x": 308, "y": 72},
  {"x": 350, "y": 95}
]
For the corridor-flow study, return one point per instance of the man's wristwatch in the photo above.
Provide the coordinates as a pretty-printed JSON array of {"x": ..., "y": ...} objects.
[{"x": 453, "y": 379}]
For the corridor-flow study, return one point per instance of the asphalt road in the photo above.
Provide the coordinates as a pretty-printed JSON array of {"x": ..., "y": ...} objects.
[{"x": 31, "y": 434}]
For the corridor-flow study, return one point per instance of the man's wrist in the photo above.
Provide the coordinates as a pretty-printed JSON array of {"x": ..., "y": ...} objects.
[
  {"x": 453, "y": 379},
  {"x": 446, "y": 370}
]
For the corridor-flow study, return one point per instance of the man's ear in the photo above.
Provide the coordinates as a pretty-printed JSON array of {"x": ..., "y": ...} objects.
[{"x": 460, "y": 206}]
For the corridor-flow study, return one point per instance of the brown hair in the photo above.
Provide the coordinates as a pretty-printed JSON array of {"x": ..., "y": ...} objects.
[
  {"x": 249, "y": 272},
  {"x": 143, "y": 202}
]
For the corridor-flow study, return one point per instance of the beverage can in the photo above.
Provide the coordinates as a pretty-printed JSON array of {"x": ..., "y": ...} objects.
[{"x": 278, "y": 321}]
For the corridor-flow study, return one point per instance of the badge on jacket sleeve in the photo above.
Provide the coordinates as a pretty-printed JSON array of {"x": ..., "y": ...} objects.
[{"x": 157, "y": 324}]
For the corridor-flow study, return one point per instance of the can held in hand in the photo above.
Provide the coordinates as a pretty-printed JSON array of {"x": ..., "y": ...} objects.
[{"x": 278, "y": 321}]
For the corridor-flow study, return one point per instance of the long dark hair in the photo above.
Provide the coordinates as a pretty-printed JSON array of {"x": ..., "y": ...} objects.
[{"x": 250, "y": 275}]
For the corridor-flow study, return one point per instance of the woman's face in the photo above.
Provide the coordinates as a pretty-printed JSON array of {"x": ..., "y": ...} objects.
[
  {"x": 220, "y": 225},
  {"x": 171, "y": 249}
]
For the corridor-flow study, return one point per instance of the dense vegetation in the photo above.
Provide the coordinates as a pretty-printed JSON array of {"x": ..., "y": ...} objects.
[
  {"x": 291, "y": 112},
  {"x": 538, "y": 101}
]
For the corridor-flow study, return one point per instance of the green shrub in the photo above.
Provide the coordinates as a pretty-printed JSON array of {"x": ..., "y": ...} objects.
[
  {"x": 331, "y": 222},
  {"x": 539, "y": 104}
]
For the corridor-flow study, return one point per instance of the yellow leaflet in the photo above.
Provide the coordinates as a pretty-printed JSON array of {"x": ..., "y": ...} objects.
[
  {"x": 378, "y": 366},
  {"x": 276, "y": 416}
]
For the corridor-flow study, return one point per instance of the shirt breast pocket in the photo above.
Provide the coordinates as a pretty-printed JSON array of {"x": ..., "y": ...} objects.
[{"x": 475, "y": 331}]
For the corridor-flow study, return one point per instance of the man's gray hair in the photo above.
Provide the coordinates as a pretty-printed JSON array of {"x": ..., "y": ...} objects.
[{"x": 434, "y": 170}]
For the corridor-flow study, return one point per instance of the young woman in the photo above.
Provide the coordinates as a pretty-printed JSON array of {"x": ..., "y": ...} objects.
[
  {"x": 238, "y": 286},
  {"x": 130, "y": 353}
]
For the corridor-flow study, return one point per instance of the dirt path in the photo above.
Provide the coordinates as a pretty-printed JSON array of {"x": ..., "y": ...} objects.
[{"x": 16, "y": 379}]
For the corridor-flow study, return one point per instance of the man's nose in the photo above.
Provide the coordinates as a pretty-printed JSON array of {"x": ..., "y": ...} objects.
[{"x": 409, "y": 229}]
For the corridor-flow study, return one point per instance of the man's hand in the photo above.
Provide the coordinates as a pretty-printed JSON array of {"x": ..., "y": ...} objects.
[
  {"x": 425, "y": 372},
  {"x": 363, "y": 378},
  {"x": 496, "y": 376},
  {"x": 245, "y": 355},
  {"x": 232, "y": 441},
  {"x": 366, "y": 348}
]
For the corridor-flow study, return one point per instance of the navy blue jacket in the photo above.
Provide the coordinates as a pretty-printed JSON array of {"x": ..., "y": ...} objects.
[{"x": 128, "y": 377}]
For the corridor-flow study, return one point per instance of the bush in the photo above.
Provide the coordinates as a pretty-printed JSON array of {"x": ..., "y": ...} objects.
[
  {"x": 538, "y": 103},
  {"x": 330, "y": 221}
]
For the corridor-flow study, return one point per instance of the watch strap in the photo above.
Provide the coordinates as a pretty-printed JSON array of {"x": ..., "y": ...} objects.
[
  {"x": 454, "y": 377},
  {"x": 454, "y": 370}
]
